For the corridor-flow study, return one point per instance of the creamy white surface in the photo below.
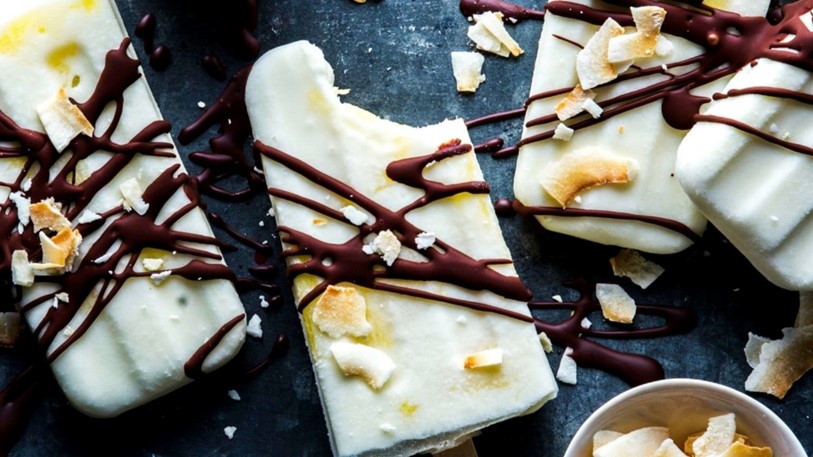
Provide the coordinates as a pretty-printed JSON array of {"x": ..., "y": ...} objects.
[
  {"x": 135, "y": 350},
  {"x": 430, "y": 401}
]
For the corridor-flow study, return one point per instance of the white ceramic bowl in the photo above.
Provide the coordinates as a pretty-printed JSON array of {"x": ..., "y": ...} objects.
[{"x": 684, "y": 406}]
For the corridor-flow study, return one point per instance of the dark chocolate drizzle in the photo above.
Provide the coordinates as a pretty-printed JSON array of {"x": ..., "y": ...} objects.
[
  {"x": 347, "y": 262},
  {"x": 226, "y": 159},
  {"x": 130, "y": 232},
  {"x": 510, "y": 10},
  {"x": 634, "y": 369},
  {"x": 730, "y": 42}
]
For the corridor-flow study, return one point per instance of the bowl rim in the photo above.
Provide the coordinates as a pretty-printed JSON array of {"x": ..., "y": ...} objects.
[{"x": 679, "y": 383}]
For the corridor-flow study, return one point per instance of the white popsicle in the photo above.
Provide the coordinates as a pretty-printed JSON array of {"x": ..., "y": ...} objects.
[
  {"x": 144, "y": 304},
  {"x": 403, "y": 364}
]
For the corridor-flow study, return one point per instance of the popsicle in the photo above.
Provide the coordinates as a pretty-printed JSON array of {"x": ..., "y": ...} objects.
[
  {"x": 615, "y": 84},
  {"x": 416, "y": 323},
  {"x": 122, "y": 280},
  {"x": 747, "y": 163}
]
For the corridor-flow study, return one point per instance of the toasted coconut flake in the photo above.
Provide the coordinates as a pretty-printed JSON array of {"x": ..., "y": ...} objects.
[
  {"x": 593, "y": 108},
  {"x": 782, "y": 362},
  {"x": 254, "y": 327},
  {"x": 573, "y": 103},
  {"x": 132, "y": 193},
  {"x": 47, "y": 214},
  {"x": 372, "y": 365},
  {"x": 23, "y": 205},
  {"x": 563, "y": 133},
  {"x": 616, "y": 305},
  {"x": 467, "y": 69},
  {"x": 717, "y": 438},
  {"x": 340, "y": 311},
  {"x": 484, "y": 359},
  {"x": 59, "y": 251},
  {"x": 753, "y": 348},
  {"x": 387, "y": 245},
  {"x": 631, "y": 264},
  {"x": 63, "y": 121},
  {"x": 583, "y": 169},
  {"x": 21, "y": 272},
  {"x": 603, "y": 437},
  {"x": 547, "y": 345},
  {"x": 10, "y": 329},
  {"x": 643, "y": 442},
  {"x": 743, "y": 450},
  {"x": 489, "y": 34},
  {"x": 568, "y": 370},
  {"x": 668, "y": 449},
  {"x": 687, "y": 447},
  {"x": 641, "y": 44},
  {"x": 592, "y": 64}
]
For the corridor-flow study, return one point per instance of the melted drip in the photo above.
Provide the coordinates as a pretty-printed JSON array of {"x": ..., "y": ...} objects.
[
  {"x": 632, "y": 368},
  {"x": 160, "y": 56},
  {"x": 214, "y": 67},
  {"x": 349, "y": 263}
]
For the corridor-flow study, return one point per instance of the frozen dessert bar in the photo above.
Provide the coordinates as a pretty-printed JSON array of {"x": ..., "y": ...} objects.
[
  {"x": 416, "y": 323},
  {"x": 747, "y": 163},
  {"x": 614, "y": 88},
  {"x": 122, "y": 281}
]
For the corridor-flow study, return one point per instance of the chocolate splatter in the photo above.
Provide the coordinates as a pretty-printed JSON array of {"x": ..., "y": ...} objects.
[
  {"x": 632, "y": 368},
  {"x": 214, "y": 67},
  {"x": 226, "y": 158},
  {"x": 159, "y": 56}
]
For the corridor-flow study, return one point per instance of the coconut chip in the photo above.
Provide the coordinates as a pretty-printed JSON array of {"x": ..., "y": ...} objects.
[
  {"x": 467, "y": 69},
  {"x": 782, "y": 362},
  {"x": 616, "y": 305},
  {"x": 133, "y": 201},
  {"x": 47, "y": 214},
  {"x": 631, "y": 264},
  {"x": 489, "y": 34},
  {"x": 373, "y": 365},
  {"x": 592, "y": 64},
  {"x": 563, "y": 133},
  {"x": 583, "y": 169},
  {"x": 340, "y": 311},
  {"x": 484, "y": 359},
  {"x": 568, "y": 369},
  {"x": 641, "y": 44},
  {"x": 573, "y": 103},
  {"x": 63, "y": 121}
]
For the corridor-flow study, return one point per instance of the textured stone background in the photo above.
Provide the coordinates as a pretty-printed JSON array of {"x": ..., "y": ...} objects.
[{"x": 394, "y": 55}]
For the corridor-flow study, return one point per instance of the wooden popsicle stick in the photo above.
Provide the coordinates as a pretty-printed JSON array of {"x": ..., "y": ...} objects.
[{"x": 464, "y": 449}]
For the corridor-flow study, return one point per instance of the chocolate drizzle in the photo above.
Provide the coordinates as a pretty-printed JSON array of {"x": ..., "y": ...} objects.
[
  {"x": 347, "y": 262},
  {"x": 730, "y": 42},
  {"x": 510, "y": 10},
  {"x": 226, "y": 158},
  {"x": 632, "y": 368},
  {"x": 120, "y": 236}
]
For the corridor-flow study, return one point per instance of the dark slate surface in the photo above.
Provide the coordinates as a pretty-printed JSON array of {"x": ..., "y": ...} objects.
[{"x": 394, "y": 54}]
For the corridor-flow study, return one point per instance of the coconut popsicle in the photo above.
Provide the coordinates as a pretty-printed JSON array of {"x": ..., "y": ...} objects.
[
  {"x": 415, "y": 320},
  {"x": 747, "y": 163},
  {"x": 596, "y": 159},
  {"x": 122, "y": 280}
]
